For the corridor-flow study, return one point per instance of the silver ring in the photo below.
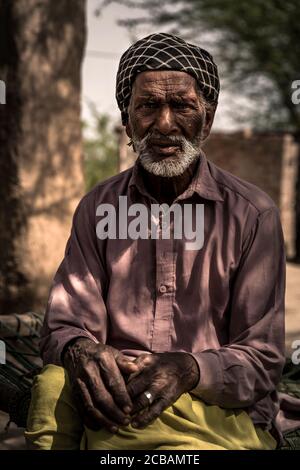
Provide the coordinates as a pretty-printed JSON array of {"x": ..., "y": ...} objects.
[{"x": 149, "y": 397}]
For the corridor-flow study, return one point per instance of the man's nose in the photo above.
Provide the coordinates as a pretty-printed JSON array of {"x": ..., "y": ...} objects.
[{"x": 165, "y": 121}]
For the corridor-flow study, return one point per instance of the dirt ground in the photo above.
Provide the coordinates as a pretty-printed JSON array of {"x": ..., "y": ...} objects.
[{"x": 13, "y": 438}]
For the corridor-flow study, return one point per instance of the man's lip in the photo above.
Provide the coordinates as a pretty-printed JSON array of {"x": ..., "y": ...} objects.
[
  {"x": 164, "y": 144},
  {"x": 166, "y": 150}
]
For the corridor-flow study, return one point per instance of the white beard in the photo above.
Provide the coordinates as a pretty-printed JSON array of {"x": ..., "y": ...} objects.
[{"x": 168, "y": 167}]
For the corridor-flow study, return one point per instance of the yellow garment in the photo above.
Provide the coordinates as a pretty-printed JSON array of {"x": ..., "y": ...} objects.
[{"x": 189, "y": 424}]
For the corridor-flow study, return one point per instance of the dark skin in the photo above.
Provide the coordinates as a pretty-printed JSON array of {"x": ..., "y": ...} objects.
[
  {"x": 168, "y": 103},
  {"x": 98, "y": 375},
  {"x": 108, "y": 387}
]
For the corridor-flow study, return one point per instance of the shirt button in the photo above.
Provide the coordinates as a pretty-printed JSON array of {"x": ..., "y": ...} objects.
[{"x": 162, "y": 289}]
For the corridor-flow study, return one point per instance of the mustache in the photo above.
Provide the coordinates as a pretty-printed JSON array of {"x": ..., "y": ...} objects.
[{"x": 155, "y": 138}]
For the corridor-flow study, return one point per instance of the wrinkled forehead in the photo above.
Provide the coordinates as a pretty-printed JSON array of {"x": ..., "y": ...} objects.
[{"x": 164, "y": 82}]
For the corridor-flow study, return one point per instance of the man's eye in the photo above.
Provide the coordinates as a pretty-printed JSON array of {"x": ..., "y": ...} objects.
[
  {"x": 181, "y": 105},
  {"x": 149, "y": 105}
]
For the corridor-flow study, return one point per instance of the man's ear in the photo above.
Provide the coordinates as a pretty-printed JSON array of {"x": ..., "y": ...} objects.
[
  {"x": 209, "y": 119},
  {"x": 128, "y": 130}
]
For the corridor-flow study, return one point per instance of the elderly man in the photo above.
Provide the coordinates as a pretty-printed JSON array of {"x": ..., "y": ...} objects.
[{"x": 152, "y": 342}]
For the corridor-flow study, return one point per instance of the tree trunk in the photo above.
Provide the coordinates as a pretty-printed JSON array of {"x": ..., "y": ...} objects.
[{"x": 41, "y": 174}]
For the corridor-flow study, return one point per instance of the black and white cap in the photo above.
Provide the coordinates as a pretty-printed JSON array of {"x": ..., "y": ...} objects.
[{"x": 161, "y": 51}]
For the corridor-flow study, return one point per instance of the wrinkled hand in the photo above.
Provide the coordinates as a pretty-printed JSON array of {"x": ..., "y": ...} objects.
[
  {"x": 97, "y": 373},
  {"x": 166, "y": 376}
]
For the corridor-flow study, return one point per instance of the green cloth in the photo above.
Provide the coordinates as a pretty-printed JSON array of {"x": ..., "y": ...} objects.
[{"x": 189, "y": 424}]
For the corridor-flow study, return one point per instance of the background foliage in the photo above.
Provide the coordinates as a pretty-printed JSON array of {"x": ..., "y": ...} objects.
[
  {"x": 255, "y": 43},
  {"x": 100, "y": 150}
]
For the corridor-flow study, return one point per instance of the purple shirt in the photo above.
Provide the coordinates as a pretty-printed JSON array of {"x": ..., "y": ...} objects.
[{"x": 223, "y": 303}]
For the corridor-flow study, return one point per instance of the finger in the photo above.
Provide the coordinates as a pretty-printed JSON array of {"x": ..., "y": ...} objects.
[
  {"x": 125, "y": 365},
  {"x": 81, "y": 411},
  {"x": 142, "y": 401},
  {"x": 101, "y": 398},
  {"x": 94, "y": 418},
  {"x": 139, "y": 384},
  {"x": 151, "y": 413},
  {"x": 143, "y": 360},
  {"x": 114, "y": 381}
]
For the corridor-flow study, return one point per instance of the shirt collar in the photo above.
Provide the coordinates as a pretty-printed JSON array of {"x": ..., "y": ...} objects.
[{"x": 203, "y": 182}]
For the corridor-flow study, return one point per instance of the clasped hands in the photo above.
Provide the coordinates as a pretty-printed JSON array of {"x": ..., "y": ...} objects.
[{"x": 109, "y": 389}]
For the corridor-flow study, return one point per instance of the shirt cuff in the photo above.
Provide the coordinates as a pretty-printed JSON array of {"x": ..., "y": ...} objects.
[{"x": 211, "y": 382}]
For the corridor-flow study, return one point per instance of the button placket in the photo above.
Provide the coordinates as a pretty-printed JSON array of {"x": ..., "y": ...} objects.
[{"x": 165, "y": 292}]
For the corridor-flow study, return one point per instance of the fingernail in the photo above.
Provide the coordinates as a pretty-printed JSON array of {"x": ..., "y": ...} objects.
[
  {"x": 134, "y": 424},
  {"x": 113, "y": 429},
  {"x": 127, "y": 409},
  {"x": 126, "y": 421}
]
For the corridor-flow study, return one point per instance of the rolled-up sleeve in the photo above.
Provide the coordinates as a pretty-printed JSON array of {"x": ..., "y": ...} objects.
[
  {"x": 76, "y": 306},
  {"x": 249, "y": 367}
]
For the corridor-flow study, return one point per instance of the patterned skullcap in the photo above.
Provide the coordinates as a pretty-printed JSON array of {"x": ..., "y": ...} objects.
[{"x": 162, "y": 51}]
